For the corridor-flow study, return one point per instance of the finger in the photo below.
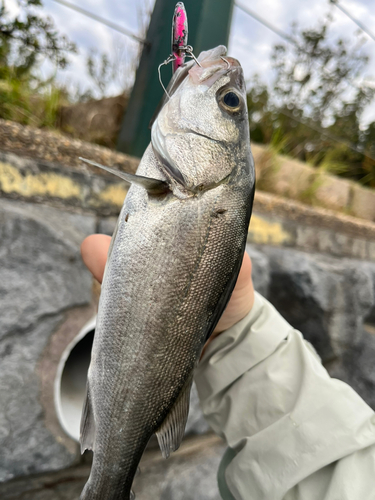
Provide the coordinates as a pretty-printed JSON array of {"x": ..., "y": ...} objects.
[{"x": 94, "y": 251}]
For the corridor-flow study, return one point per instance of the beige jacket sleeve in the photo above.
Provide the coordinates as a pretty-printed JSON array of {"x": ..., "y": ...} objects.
[{"x": 293, "y": 432}]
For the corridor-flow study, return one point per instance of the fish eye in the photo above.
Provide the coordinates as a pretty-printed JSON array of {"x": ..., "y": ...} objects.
[{"x": 231, "y": 100}]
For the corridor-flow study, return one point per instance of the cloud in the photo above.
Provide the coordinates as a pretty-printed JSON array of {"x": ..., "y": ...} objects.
[{"x": 13, "y": 8}]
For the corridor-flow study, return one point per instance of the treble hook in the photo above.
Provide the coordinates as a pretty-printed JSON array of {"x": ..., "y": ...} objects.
[{"x": 189, "y": 51}]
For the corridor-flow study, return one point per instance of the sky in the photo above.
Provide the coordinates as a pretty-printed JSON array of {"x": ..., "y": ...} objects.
[{"x": 250, "y": 42}]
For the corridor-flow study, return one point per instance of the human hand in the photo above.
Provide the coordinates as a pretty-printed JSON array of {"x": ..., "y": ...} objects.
[{"x": 94, "y": 250}]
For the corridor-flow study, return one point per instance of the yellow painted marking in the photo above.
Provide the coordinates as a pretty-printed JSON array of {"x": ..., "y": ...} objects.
[
  {"x": 261, "y": 231},
  {"x": 114, "y": 194},
  {"x": 45, "y": 183}
]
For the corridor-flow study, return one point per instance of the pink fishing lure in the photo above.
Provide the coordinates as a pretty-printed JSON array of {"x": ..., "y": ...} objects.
[{"x": 179, "y": 35}]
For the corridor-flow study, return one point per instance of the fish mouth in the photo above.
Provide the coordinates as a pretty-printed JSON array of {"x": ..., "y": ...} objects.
[{"x": 212, "y": 65}]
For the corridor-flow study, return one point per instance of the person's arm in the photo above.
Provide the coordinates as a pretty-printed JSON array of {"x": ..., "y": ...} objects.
[{"x": 293, "y": 432}]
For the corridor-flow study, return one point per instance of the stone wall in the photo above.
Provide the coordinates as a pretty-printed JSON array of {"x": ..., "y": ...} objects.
[
  {"x": 315, "y": 265},
  {"x": 302, "y": 182}
]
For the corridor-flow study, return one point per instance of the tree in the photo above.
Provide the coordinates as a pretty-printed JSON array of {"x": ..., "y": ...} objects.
[
  {"x": 24, "y": 42},
  {"x": 315, "y": 98}
]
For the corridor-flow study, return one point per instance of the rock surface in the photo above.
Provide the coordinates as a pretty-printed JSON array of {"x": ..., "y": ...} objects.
[
  {"x": 327, "y": 299},
  {"x": 41, "y": 276}
]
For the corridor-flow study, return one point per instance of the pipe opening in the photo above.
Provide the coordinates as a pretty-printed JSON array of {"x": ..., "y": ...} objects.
[{"x": 70, "y": 383}]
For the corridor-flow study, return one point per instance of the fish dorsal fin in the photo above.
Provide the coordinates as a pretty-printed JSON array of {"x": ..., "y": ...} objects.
[
  {"x": 88, "y": 430},
  {"x": 171, "y": 431},
  {"x": 153, "y": 186}
]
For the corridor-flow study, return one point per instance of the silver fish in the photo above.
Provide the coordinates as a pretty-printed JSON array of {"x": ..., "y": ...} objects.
[{"x": 172, "y": 265}]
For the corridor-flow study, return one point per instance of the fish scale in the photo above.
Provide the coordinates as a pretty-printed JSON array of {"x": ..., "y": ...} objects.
[{"x": 172, "y": 266}]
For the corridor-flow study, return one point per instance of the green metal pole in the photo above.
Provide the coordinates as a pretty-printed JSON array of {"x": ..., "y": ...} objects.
[
  {"x": 213, "y": 25},
  {"x": 208, "y": 24}
]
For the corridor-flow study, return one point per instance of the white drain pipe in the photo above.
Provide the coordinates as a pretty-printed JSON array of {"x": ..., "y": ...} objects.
[{"x": 70, "y": 381}]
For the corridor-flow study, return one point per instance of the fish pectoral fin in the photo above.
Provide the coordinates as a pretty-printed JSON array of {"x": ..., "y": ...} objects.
[
  {"x": 88, "y": 430},
  {"x": 153, "y": 186},
  {"x": 171, "y": 431}
]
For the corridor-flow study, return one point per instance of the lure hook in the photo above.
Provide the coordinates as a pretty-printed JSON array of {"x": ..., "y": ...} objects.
[
  {"x": 225, "y": 60},
  {"x": 189, "y": 52}
]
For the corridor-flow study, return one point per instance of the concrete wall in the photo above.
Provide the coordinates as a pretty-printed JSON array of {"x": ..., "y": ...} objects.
[{"x": 317, "y": 266}]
